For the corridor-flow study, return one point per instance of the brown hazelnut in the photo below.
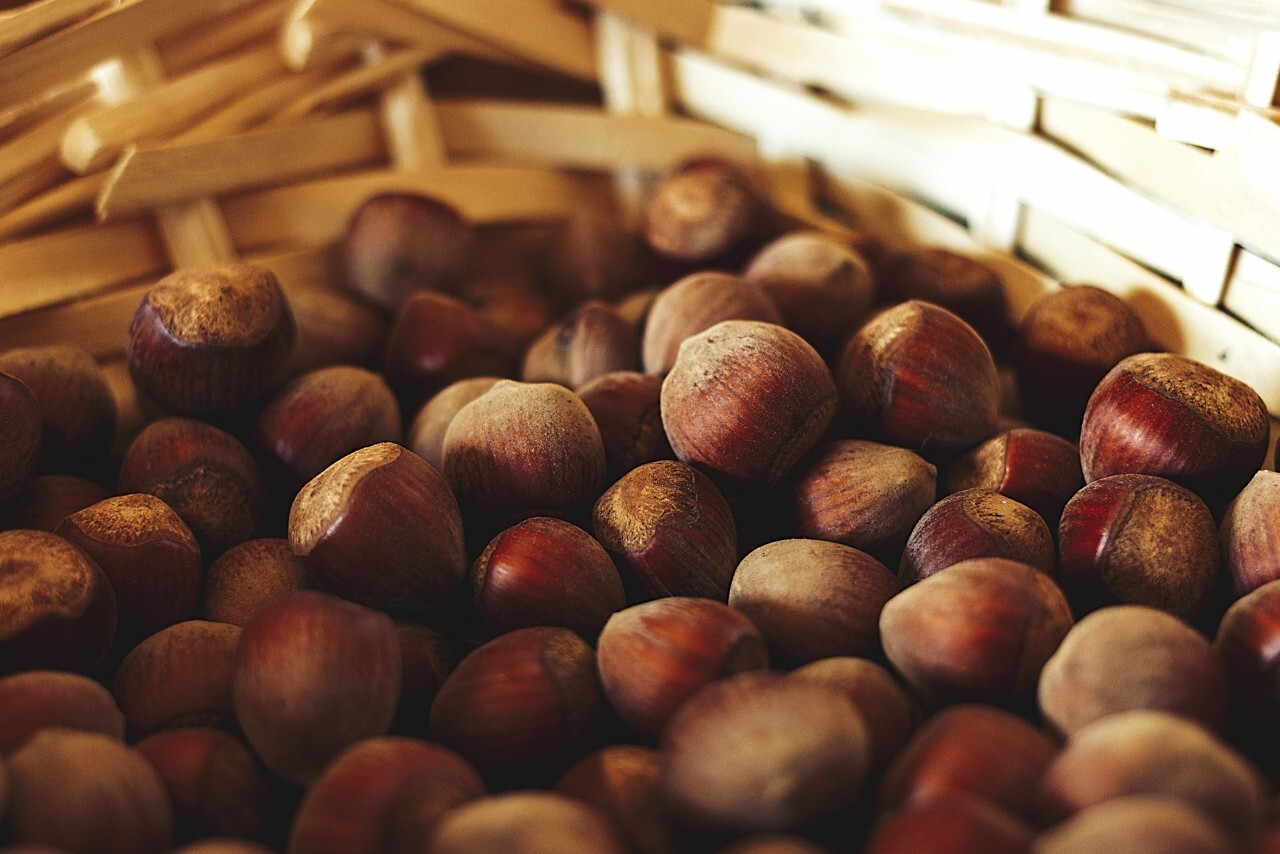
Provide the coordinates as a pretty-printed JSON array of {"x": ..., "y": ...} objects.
[
  {"x": 1038, "y": 469},
  {"x": 1141, "y": 540},
  {"x": 48, "y": 499},
  {"x": 521, "y": 707},
  {"x": 180, "y": 676},
  {"x": 1137, "y": 823},
  {"x": 222, "y": 845},
  {"x": 21, "y": 429},
  {"x": 1250, "y": 554},
  {"x": 525, "y": 823},
  {"x": 592, "y": 254},
  {"x": 211, "y": 340},
  {"x": 35, "y": 699},
  {"x": 813, "y": 599},
  {"x": 514, "y": 303},
  {"x": 654, "y": 655},
  {"x": 863, "y": 494},
  {"x": 963, "y": 285},
  {"x": 745, "y": 400},
  {"x": 623, "y": 782},
  {"x": 591, "y": 340},
  {"x": 918, "y": 376},
  {"x": 773, "y": 843},
  {"x": 426, "y": 434},
  {"x": 1171, "y": 416},
  {"x": 57, "y": 608},
  {"x": 248, "y": 576},
  {"x": 975, "y": 523},
  {"x": 76, "y": 404},
  {"x": 1248, "y": 641},
  {"x": 694, "y": 304},
  {"x": 1066, "y": 343},
  {"x": 625, "y": 405},
  {"x": 398, "y": 243},
  {"x": 314, "y": 674},
  {"x": 205, "y": 474},
  {"x": 1129, "y": 657},
  {"x": 334, "y": 329},
  {"x": 545, "y": 572},
  {"x": 84, "y": 791},
  {"x": 425, "y": 661},
  {"x": 524, "y": 449},
  {"x": 981, "y": 630},
  {"x": 149, "y": 555},
  {"x": 727, "y": 748},
  {"x": 672, "y": 528},
  {"x": 951, "y": 822},
  {"x": 380, "y": 527}
]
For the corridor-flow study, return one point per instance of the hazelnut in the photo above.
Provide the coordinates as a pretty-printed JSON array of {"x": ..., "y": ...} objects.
[
  {"x": 863, "y": 494},
  {"x": 57, "y": 608},
  {"x": 425, "y": 661},
  {"x": 654, "y": 655},
  {"x": 745, "y": 400},
  {"x": 522, "y": 707},
  {"x": 773, "y": 843},
  {"x": 625, "y": 405},
  {"x": 314, "y": 674},
  {"x": 971, "y": 524},
  {"x": 951, "y": 822},
  {"x": 623, "y": 782},
  {"x": 591, "y": 340},
  {"x": 1250, "y": 555},
  {"x": 334, "y": 329},
  {"x": 1138, "y": 539},
  {"x": 246, "y": 577},
  {"x": 1035, "y": 468},
  {"x": 399, "y": 243},
  {"x": 211, "y": 340},
  {"x": 760, "y": 752},
  {"x": 35, "y": 699},
  {"x": 981, "y": 630},
  {"x": 382, "y": 528},
  {"x": 148, "y": 554},
  {"x": 1128, "y": 657},
  {"x": 889, "y": 711},
  {"x": 21, "y": 430},
  {"x": 76, "y": 404},
  {"x": 223, "y": 845},
  {"x": 426, "y": 434},
  {"x": 525, "y": 823},
  {"x": 545, "y": 572},
  {"x": 592, "y": 254},
  {"x": 671, "y": 527},
  {"x": 514, "y": 303},
  {"x": 1247, "y": 642},
  {"x": 918, "y": 376},
  {"x": 963, "y": 285},
  {"x": 1136, "y": 823},
  {"x": 1171, "y": 416},
  {"x": 48, "y": 499},
  {"x": 694, "y": 304},
  {"x": 813, "y": 599}
]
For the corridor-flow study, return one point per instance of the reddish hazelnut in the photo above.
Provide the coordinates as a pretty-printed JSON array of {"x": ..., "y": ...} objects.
[
  {"x": 426, "y": 434},
  {"x": 821, "y": 287},
  {"x": 975, "y": 523},
  {"x": 1249, "y": 532},
  {"x": 215, "y": 783},
  {"x": 625, "y": 405},
  {"x": 423, "y": 800},
  {"x": 380, "y": 527},
  {"x": 57, "y": 608},
  {"x": 545, "y": 572},
  {"x": 950, "y": 823},
  {"x": 525, "y": 823},
  {"x": 1137, "y": 823},
  {"x": 1128, "y": 657},
  {"x": 205, "y": 474},
  {"x": 727, "y": 750},
  {"x": 1066, "y": 343},
  {"x": 521, "y": 707},
  {"x": 981, "y": 630},
  {"x": 889, "y": 711},
  {"x": 350, "y": 808},
  {"x": 313, "y": 675},
  {"x": 591, "y": 340},
  {"x": 1171, "y": 416},
  {"x": 1153, "y": 753},
  {"x": 48, "y": 499},
  {"x": 813, "y": 599},
  {"x": 524, "y": 449},
  {"x": 35, "y": 699},
  {"x": 248, "y": 576},
  {"x": 222, "y": 845},
  {"x": 654, "y": 655},
  {"x": 976, "y": 751},
  {"x": 147, "y": 552},
  {"x": 706, "y": 214},
  {"x": 180, "y": 676},
  {"x": 919, "y": 376},
  {"x": 592, "y": 254},
  {"x": 964, "y": 286},
  {"x": 694, "y": 304},
  {"x": 21, "y": 427},
  {"x": 672, "y": 528},
  {"x": 623, "y": 782},
  {"x": 425, "y": 661},
  {"x": 1248, "y": 642},
  {"x": 399, "y": 243},
  {"x": 774, "y": 843},
  {"x": 211, "y": 340},
  {"x": 322, "y": 416},
  {"x": 1038, "y": 469},
  {"x": 84, "y": 791},
  {"x": 1138, "y": 539},
  {"x": 515, "y": 304},
  {"x": 745, "y": 400},
  {"x": 863, "y": 494},
  {"x": 334, "y": 330},
  {"x": 76, "y": 404}
]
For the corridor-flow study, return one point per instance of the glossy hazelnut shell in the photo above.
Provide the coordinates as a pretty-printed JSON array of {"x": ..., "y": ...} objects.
[
  {"x": 76, "y": 405},
  {"x": 1033, "y": 467},
  {"x": 1250, "y": 534},
  {"x": 975, "y": 523},
  {"x": 958, "y": 283},
  {"x": 32, "y": 700},
  {"x": 693, "y": 305},
  {"x": 591, "y": 340}
]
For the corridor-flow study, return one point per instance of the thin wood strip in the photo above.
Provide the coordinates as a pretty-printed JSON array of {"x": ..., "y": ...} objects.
[
  {"x": 37, "y": 147},
  {"x": 66, "y": 199},
  {"x": 24, "y": 117},
  {"x": 71, "y": 52},
  {"x": 256, "y": 106},
  {"x": 185, "y": 51},
  {"x": 38, "y": 178},
  {"x": 93, "y": 141},
  {"x": 316, "y": 213},
  {"x": 34, "y": 21},
  {"x": 411, "y": 125},
  {"x": 146, "y": 178},
  {"x": 542, "y": 31},
  {"x": 97, "y": 324},
  {"x": 355, "y": 83},
  {"x": 1253, "y": 294}
]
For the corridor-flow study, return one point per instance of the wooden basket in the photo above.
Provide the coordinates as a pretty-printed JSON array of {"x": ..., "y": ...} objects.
[{"x": 1084, "y": 144}]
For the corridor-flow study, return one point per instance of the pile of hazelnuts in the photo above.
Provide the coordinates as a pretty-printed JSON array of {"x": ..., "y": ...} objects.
[{"x": 714, "y": 534}]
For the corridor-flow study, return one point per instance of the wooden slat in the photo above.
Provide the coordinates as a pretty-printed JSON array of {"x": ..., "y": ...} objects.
[
  {"x": 1253, "y": 294},
  {"x": 355, "y": 83},
  {"x": 68, "y": 198},
  {"x": 23, "y": 117},
  {"x": 97, "y": 324},
  {"x": 185, "y": 51},
  {"x": 36, "y": 147},
  {"x": 256, "y": 106},
  {"x": 34, "y": 21}
]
